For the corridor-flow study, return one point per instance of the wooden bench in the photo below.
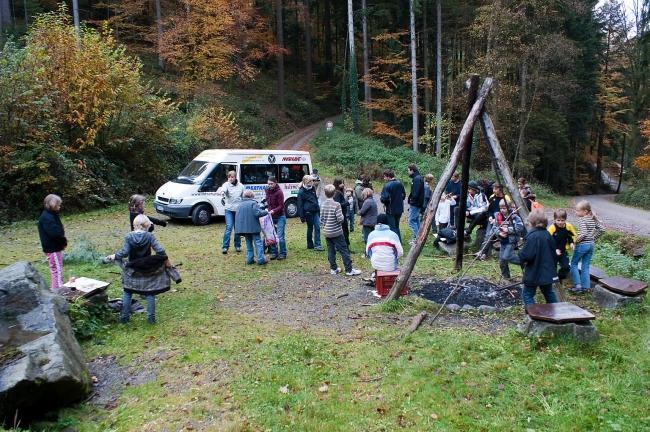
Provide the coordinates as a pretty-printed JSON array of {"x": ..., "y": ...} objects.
[
  {"x": 559, "y": 319},
  {"x": 559, "y": 312},
  {"x": 596, "y": 274},
  {"x": 624, "y": 286}
]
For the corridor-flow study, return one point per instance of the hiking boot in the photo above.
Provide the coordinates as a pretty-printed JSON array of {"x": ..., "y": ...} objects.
[
  {"x": 273, "y": 257},
  {"x": 336, "y": 271},
  {"x": 224, "y": 251},
  {"x": 577, "y": 290},
  {"x": 319, "y": 248},
  {"x": 281, "y": 257},
  {"x": 353, "y": 272}
]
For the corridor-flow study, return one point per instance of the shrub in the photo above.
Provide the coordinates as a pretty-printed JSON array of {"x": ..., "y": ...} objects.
[
  {"x": 610, "y": 254},
  {"x": 88, "y": 319},
  {"x": 84, "y": 251},
  {"x": 635, "y": 195}
]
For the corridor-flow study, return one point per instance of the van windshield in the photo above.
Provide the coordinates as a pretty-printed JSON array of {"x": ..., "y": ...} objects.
[{"x": 192, "y": 171}]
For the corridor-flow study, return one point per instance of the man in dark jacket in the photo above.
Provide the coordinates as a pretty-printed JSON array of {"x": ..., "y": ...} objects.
[
  {"x": 538, "y": 259},
  {"x": 275, "y": 203},
  {"x": 309, "y": 211},
  {"x": 416, "y": 200},
  {"x": 392, "y": 196},
  {"x": 247, "y": 224},
  {"x": 453, "y": 187}
]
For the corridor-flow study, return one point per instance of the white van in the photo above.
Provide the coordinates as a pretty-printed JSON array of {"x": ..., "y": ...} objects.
[{"x": 196, "y": 192}]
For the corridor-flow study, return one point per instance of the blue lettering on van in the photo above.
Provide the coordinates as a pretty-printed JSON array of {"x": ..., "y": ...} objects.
[{"x": 256, "y": 188}]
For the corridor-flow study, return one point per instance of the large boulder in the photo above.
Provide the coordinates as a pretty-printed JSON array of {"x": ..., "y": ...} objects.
[
  {"x": 610, "y": 300},
  {"x": 41, "y": 364},
  {"x": 582, "y": 331}
]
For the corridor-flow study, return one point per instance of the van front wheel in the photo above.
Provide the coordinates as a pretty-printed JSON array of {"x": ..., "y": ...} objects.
[
  {"x": 201, "y": 214},
  {"x": 291, "y": 208}
]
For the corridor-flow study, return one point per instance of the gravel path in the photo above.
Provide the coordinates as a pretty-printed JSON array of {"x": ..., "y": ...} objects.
[
  {"x": 618, "y": 217},
  {"x": 299, "y": 140}
]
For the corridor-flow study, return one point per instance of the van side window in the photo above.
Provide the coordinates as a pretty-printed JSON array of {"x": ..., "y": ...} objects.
[
  {"x": 293, "y": 173},
  {"x": 256, "y": 174},
  {"x": 217, "y": 177}
]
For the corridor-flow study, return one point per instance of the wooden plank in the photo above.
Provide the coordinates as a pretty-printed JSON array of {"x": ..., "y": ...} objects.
[
  {"x": 596, "y": 273},
  {"x": 625, "y": 286},
  {"x": 421, "y": 239},
  {"x": 559, "y": 312}
]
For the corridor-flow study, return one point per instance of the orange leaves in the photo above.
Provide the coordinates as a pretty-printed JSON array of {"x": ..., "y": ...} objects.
[
  {"x": 216, "y": 40},
  {"x": 216, "y": 128}
]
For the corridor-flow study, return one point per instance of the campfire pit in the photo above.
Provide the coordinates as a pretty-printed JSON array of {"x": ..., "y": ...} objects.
[{"x": 474, "y": 293}]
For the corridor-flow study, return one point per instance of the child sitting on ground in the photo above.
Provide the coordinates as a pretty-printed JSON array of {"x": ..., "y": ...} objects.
[
  {"x": 331, "y": 218},
  {"x": 136, "y": 207},
  {"x": 383, "y": 246},
  {"x": 564, "y": 236},
  {"x": 589, "y": 229}
]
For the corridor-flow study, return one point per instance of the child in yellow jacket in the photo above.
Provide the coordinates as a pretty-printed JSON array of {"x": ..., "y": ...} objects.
[{"x": 564, "y": 235}]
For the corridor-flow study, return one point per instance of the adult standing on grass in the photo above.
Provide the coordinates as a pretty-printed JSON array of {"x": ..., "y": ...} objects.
[
  {"x": 332, "y": 218},
  {"x": 53, "y": 241},
  {"x": 339, "y": 197},
  {"x": 137, "y": 248},
  {"x": 232, "y": 191},
  {"x": 538, "y": 259},
  {"x": 275, "y": 203},
  {"x": 392, "y": 196},
  {"x": 415, "y": 200},
  {"x": 309, "y": 211},
  {"x": 368, "y": 213},
  {"x": 453, "y": 190},
  {"x": 248, "y": 225}
]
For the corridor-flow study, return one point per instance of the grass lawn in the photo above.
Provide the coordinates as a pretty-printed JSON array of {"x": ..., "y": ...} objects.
[{"x": 217, "y": 360}]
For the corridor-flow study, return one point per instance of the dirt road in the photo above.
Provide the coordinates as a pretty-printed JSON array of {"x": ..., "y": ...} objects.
[
  {"x": 299, "y": 140},
  {"x": 618, "y": 217}
]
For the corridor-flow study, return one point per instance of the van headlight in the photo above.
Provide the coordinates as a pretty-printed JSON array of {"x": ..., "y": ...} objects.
[{"x": 175, "y": 200}]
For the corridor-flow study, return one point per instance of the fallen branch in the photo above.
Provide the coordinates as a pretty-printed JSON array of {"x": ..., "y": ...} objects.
[{"x": 415, "y": 323}]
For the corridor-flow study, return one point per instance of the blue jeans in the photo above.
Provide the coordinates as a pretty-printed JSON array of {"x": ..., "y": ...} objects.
[
  {"x": 393, "y": 223},
  {"x": 280, "y": 222},
  {"x": 335, "y": 244},
  {"x": 351, "y": 220},
  {"x": 507, "y": 255},
  {"x": 366, "y": 232},
  {"x": 230, "y": 224},
  {"x": 582, "y": 253},
  {"x": 126, "y": 307},
  {"x": 528, "y": 294},
  {"x": 414, "y": 220},
  {"x": 259, "y": 248},
  {"x": 313, "y": 225}
]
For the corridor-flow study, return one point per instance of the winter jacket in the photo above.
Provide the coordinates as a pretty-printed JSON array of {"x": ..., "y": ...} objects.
[
  {"x": 307, "y": 202},
  {"x": 138, "y": 244},
  {"x": 384, "y": 248},
  {"x": 416, "y": 197},
  {"x": 331, "y": 218},
  {"x": 513, "y": 225},
  {"x": 563, "y": 237},
  {"x": 493, "y": 203},
  {"x": 477, "y": 204},
  {"x": 232, "y": 195},
  {"x": 247, "y": 219},
  {"x": 427, "y": 197},
  {"x": 154, "y": 221},
  {"x": 392, "y": 196},
  {"x": 443, "y": 212},
  {"x": 146, "y": 276},
  {"x": 51, "y": 232},
  {"x": 453, "y": 188},
  {"x": 340, "y": 198},
  {"x": 538, "y": 258},
  {"x": 358, "y": 192},
  {"x": 368, "y": 212},
  {"x": 275, "y": 201}
]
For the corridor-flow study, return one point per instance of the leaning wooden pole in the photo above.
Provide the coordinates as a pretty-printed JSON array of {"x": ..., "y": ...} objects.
[
  {"x": 465, "y": 135},
  {"x": 502, "y": 163}
]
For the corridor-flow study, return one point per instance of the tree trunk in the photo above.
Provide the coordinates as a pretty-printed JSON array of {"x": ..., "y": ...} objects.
[
  {"x": 161, "y": 63},
  {"x": 467, "y": 157},
  {"x": 5, "y": 17},
  {"x": 280, "y": 56},
  {"x": 308, "y": 48},
  {"x": 353, "y": 78},
  {"x": 414, "y": 78},
  {"x": 366, "y": 63},
  {"x": 327, "y": 24},
  {"x": 75, "y": 15},
  {"x": 519, "y": 155},
  {"x": 26, "y": 14},
  {"x": 438, "y": 77},
  {"x": 620, "y": 174},
  {"x": 425, "y": 60},
  {"x": 463, "y": 139}
]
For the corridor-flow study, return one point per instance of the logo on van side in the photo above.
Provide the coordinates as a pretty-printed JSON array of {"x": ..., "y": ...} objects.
[
  {"x": 292, "y": 158},
  {"x": 272, "y": 159}
]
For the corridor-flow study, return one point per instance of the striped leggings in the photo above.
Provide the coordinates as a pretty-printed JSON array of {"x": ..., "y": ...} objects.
[{"x": 55, "y": 261}]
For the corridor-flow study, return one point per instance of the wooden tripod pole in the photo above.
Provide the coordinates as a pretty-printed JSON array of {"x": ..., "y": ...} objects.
[
  {"x": 502, "y": 164},
  {"x": 421, "y": 239}
]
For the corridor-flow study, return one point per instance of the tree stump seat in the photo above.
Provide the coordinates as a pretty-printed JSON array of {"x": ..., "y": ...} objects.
[
  {"x": 596, "y": 273},
  {"x": 624, "y": 286},
  {"x": 563, "y": 312}
]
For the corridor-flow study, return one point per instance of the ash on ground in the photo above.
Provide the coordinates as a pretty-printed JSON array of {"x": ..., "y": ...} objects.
[{"x": 473, "y": 291}]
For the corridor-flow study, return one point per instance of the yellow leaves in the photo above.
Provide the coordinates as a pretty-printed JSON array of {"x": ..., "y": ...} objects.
[
  {"x": 216, "y": 128},
  {"x": 642, "y": 163}
]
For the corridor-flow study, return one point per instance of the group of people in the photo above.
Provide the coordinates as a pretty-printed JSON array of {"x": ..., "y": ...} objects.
[{"x": 544, "y": 248}]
